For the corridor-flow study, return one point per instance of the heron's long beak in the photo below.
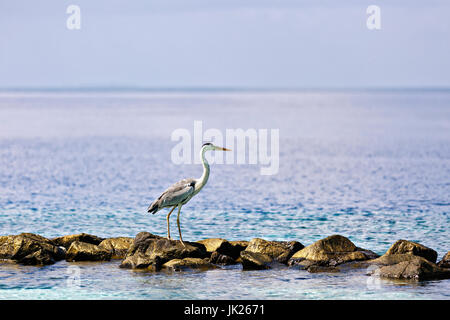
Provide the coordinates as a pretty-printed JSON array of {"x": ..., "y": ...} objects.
[{"x": 225, "y": 149}]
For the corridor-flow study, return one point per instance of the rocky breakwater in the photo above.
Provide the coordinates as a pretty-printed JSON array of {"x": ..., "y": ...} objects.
[
  {"x": 149, "y": 252},
  {"x": 33, "y": 249}
]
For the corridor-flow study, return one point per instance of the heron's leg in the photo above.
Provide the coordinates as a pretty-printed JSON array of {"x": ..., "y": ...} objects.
[
  {"x": 168, "y": 227},
  {"x": 178, "y": 223}
]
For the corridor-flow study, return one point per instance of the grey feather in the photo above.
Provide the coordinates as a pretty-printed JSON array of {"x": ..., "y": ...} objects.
[{"x": 178, "y": 193}]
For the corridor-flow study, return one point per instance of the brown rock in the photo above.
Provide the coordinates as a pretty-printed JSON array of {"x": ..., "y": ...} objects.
[
  {"x": 37, "y": 258},
  {"x": 214, "y": 244},
  {"x": 221, "y": 259},
  {"x": 413, "y": 248},
  {"x": 321, "y": 269},
  {"x": 188, "y": 263},
  {"x": 82, "y": 251},
  {"x": 332, "y": 251},
  {"x": 224, "y": 247},
  {"x": 149, "y": 251},
  {"x": 445, "y": 262},
  {"x": 280, "y": 251},
  {"x": 239, "y": 245},
  {"x": 408, "y": 266},
  {"x": 255, "y": 261},
  {"x": 117, "y": 246},
  {"x": 66, "y": 241},
  {"x": 30, "y": 249},
  {"x": 313, "y": 266}
]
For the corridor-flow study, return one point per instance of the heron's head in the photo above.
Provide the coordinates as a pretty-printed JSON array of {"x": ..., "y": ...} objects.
[{"x": 209, "y": 146}]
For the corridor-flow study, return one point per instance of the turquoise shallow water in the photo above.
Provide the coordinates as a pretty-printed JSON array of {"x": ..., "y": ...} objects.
[{"x": 372, "y": 166}]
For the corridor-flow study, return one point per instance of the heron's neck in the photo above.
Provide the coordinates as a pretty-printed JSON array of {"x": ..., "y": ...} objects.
[{"x": 204, "y": 178}]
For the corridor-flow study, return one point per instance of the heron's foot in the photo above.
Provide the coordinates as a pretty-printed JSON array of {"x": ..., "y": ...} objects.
[
  {"x": 169, "y": 238},
  {"x": 182, "y": 243}
]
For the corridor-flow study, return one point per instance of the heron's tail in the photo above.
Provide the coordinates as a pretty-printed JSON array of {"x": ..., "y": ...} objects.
[{"x": 153, "y": 208}]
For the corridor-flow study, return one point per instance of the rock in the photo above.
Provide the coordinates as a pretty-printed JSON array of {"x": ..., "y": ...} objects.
[
  {"x": 222, "y": 246},
  {"x": 117, "y": 246},
  {"x": 413, "y": 248},
  {"x": 66, "y": 241},
  {"x": 221, "y": 259},
  {"x": 313, "y": 266},
  {"x": 408, "y": 266},
  {"x": 136, "y": 257},
  {"x": 151, "y": 252},
  {"x": 144, "y": 236},
  {"x": 305, "y": 264},
  {"x": 324, "y": 269},
  {"x": 280, "y": 251},
  {"x": 188, "y": 263},
  {"x": 240, "y": 245},
  {"x": 302, "y": 263},
  {"x": 214, "y": 244},
  {"x": 255, "y": 261},
  {"x": 445, "y": 262},
  {"x": 82, "y": 251},
  {"x": 332, "y": 251},
  {"x": 39, "y": 257},
  {"x": 30, "y": 249}
]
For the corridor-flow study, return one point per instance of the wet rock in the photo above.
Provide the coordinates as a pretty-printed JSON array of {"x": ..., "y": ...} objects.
[
  {"x": 151, "y": 252},
  {"x": 255, "y": 261},
  {"x": 30, "y": 249},
  {"x": 141, "y": 261},
  {"x": 323, "y": 269},
  {"x": 66, "y": 241},
  {"x": 117, "y": 246},
  {"x": 173, "y": 249},
  {"x": 221, "y": 259},
  {"x": 39, "y": 257},
  {"x": 302, "y": 263},
  {"x": 408, "y": 266},
  {"x": 188, "y": 263},
  {"x": 82, "y": 251},
  {"x": 305, "y": 264},
  {"x": 413, "y": 248},
  {"x": 445, "y": 262},
  {"x": 280, "y": 251},
  {"x": 239, "y": 245},
  {"x": 136, "y": 257},
  {"x": 215, "y": 244},
  {"x": 223, "y": 247},
  {"x": 144, "y": 236},
  {"x": 313, "y": 266},
  {"x": 331, "y": 251}
]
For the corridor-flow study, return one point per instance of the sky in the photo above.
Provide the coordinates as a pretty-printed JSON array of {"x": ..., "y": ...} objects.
[{"x": 224, "y": 43}]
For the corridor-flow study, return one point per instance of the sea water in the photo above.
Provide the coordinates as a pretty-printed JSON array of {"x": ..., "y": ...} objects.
[{"x": 373, "y": 166}]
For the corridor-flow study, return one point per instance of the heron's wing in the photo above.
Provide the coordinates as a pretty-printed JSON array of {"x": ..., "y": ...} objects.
[
  {"x": 174, "y": 195},
  {"x": 178, "y": 192}
]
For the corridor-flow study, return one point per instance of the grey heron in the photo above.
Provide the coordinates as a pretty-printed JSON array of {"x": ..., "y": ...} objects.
[{"x": 181, "y": 192}]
